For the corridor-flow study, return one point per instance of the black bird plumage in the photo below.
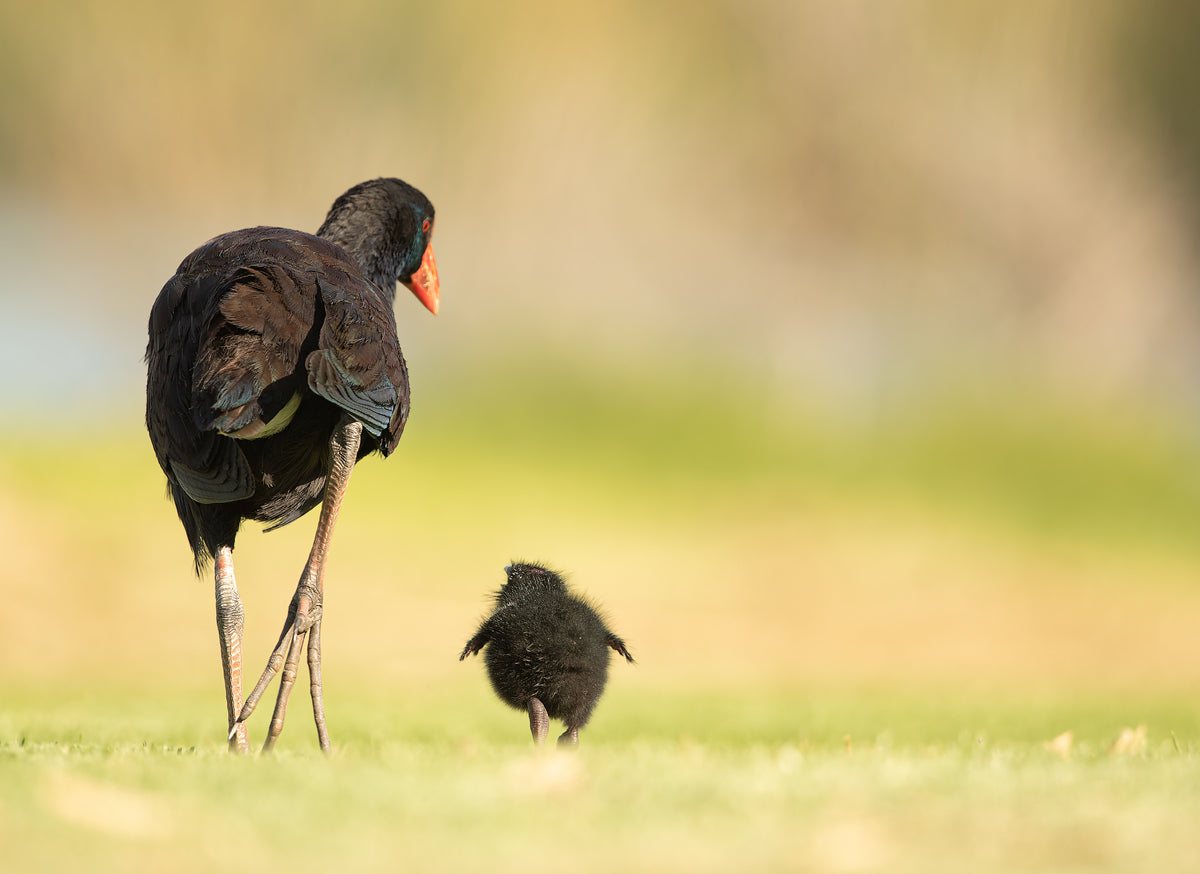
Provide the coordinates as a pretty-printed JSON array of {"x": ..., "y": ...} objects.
[
  {"x": 273, "y": 365},
  {"x": 547, "y": 650}
]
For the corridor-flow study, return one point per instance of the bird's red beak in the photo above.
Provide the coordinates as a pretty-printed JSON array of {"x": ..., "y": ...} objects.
[{"x": 424, "y": 283}]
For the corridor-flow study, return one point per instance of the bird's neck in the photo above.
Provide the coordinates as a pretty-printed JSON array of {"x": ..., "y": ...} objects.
[{"x": 369, "y": 253}]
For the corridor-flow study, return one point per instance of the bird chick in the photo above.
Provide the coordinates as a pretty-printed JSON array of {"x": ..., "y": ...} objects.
[{"x": 547, "y": 651}]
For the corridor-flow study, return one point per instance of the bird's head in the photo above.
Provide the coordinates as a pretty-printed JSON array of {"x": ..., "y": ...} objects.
[
  {"x": 386, "y": 225},
  {"x": 525, "y": 580}
]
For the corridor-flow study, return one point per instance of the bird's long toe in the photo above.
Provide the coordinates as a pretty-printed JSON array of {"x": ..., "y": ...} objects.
[
  {"x": 303, "y": 622},
  {"x": 274, "y": 663},
  {"x": 286, "y": 682},
  {"x": 314, "y": 675}
]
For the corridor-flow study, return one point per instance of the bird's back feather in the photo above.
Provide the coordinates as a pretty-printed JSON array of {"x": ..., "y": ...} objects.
[{"x": 260, "y": 341}]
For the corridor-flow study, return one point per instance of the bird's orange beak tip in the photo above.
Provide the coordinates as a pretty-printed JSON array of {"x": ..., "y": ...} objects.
[{"x": 424, "y": 283}]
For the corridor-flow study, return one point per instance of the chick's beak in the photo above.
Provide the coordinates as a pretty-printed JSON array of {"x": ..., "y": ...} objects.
[{"x": 424, "y": 283}]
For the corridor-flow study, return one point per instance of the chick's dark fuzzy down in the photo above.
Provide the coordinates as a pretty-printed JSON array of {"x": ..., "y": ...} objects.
[{"x": 547, "y": 644}]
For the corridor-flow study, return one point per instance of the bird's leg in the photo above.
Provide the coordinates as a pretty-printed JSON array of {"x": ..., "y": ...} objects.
[
  {"x": 304, "y": 613},
  {"x": 569, "y": 738},
  {"x": 343, "y": 452},
  {"x": 229, "y": 625},
  {"x": 539, "y": 721}
]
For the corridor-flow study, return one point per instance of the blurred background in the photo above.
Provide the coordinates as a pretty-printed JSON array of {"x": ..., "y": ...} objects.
[{"x": 825, "y": 344}]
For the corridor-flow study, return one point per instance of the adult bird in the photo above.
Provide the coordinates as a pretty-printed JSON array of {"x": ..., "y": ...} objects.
[{"x": 272, "y": 367}]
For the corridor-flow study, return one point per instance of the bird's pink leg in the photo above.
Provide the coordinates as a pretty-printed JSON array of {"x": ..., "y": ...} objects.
[
  {"x": 229, "y": 625},
  {"x": 304, "y": 614}
]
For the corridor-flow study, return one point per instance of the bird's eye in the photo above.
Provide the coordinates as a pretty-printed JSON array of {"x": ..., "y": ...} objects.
[{"x": 425, "y": 226}]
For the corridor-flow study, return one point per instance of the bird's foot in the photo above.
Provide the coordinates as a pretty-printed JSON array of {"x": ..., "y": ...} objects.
[
  {"x": 304, "y": 620},
  {"x": 569, "y": 738}
]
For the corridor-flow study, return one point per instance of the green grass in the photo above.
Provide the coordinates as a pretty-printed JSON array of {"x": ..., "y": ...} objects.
[
  {"x": 855, "y": 644},
  {"x": 708, "y": 780}
]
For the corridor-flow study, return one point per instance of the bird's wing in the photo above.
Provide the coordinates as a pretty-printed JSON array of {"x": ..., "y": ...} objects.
[
  {"x": 248, "y": 369},
  {"x": 619, "y": 645},
  {"x": 357, "y": 364},
  {"x": 479, "y": 641},
  {"x": 209, "y": 468},
  {"x": 227, "y": 337}
]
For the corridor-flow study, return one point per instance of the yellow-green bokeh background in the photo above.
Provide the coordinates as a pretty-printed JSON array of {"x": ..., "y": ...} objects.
[{"x": 840, "y": 345}]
